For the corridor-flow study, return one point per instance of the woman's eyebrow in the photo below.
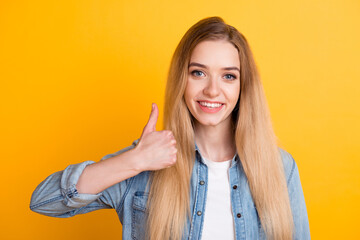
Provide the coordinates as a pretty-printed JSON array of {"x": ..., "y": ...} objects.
[{"x": 204, "y": 66}]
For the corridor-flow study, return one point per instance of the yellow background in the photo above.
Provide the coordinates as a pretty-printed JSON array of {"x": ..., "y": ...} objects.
[{"x": 78, "y": 79}]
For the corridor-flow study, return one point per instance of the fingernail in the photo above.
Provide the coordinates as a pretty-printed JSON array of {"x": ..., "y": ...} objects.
[{"x": 152, "y": 106}]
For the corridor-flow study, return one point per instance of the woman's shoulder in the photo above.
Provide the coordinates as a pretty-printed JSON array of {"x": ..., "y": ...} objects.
[{"x": 288, "y": 163}]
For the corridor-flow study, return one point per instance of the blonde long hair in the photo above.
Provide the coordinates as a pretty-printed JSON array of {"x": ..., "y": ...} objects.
[{"x": 169, "y": 198}]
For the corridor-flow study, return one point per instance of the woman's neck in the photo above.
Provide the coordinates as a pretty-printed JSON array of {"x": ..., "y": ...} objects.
[{"x": 215, "y": 143}]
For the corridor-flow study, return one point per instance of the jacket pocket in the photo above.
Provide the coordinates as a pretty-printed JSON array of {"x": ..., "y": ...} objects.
[
  {"x": 139, "y": 215},
  {"x": 261, "y": 230}
]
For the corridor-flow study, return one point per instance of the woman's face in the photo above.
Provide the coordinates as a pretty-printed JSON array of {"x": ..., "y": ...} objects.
[{"x": 213, "y": 84}]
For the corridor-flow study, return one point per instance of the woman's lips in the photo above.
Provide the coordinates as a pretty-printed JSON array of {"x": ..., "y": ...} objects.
[{"x": 210, "y": 107}]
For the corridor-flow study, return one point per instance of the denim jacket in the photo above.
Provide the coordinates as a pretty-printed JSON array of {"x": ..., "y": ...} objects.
[{"x": 57, "y": 196}]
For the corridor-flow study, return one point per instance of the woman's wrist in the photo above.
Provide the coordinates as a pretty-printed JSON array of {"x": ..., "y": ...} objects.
[{"x": 131, "y": 160}]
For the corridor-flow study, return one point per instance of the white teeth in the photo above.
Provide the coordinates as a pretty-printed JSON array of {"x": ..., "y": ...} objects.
[{"x": 210, "y": 105}]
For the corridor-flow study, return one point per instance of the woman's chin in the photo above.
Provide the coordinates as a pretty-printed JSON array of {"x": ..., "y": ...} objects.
[
  {"x": 213, "y": 122},
  {"x": 208, "y": 123}
]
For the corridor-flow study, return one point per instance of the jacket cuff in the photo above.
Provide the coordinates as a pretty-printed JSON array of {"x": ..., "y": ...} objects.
[{"x": 69, "y": 179}]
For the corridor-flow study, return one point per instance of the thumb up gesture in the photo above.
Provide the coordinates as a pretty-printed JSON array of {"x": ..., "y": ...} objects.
[{"x": 156, "y": 149}]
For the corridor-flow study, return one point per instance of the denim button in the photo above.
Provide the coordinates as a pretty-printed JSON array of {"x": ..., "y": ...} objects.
[
  {"x": 199, "y": 213},
  {"x": 71, "y": 194},
  {"x": 202, "y": 182},
  {"x": 235, "y": 187},
  {"x": 238, "y": 215}
]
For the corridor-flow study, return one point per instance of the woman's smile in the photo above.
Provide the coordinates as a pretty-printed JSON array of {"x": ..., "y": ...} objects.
[{"x": 210, "y": 107}]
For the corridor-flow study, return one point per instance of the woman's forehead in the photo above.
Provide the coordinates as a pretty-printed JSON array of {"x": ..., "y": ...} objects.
[{"x": 215, "y": 53}]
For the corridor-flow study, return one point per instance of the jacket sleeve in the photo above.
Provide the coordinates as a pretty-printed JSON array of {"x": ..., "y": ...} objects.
[
  {"x": 57, "y": 195},
  {"x": 297, "y": 203}
]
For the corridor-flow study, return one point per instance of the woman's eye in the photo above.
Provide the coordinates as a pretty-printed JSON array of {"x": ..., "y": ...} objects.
[
  {"x": 230, "y": 76},
  {"x": 197, "y": 73}
]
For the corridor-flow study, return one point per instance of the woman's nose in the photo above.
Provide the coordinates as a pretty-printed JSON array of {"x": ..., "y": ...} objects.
[{"x": 212, "y": 88}]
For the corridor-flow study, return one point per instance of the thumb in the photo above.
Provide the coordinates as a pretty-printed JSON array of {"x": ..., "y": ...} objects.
[{"x": 151, "y": 124}]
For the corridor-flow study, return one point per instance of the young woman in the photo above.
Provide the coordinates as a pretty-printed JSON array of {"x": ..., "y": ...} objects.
[{"x": 215, "y": 172}]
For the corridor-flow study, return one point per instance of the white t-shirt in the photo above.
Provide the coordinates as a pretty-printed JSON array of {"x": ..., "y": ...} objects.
[{"x": 218, "y": 217}]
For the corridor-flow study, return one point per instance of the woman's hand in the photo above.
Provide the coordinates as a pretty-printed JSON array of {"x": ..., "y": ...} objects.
[{"x": 156, "y": 149}]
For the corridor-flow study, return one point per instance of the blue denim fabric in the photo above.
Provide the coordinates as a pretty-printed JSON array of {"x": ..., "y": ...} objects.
[{"x": 57, "y": 196}]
